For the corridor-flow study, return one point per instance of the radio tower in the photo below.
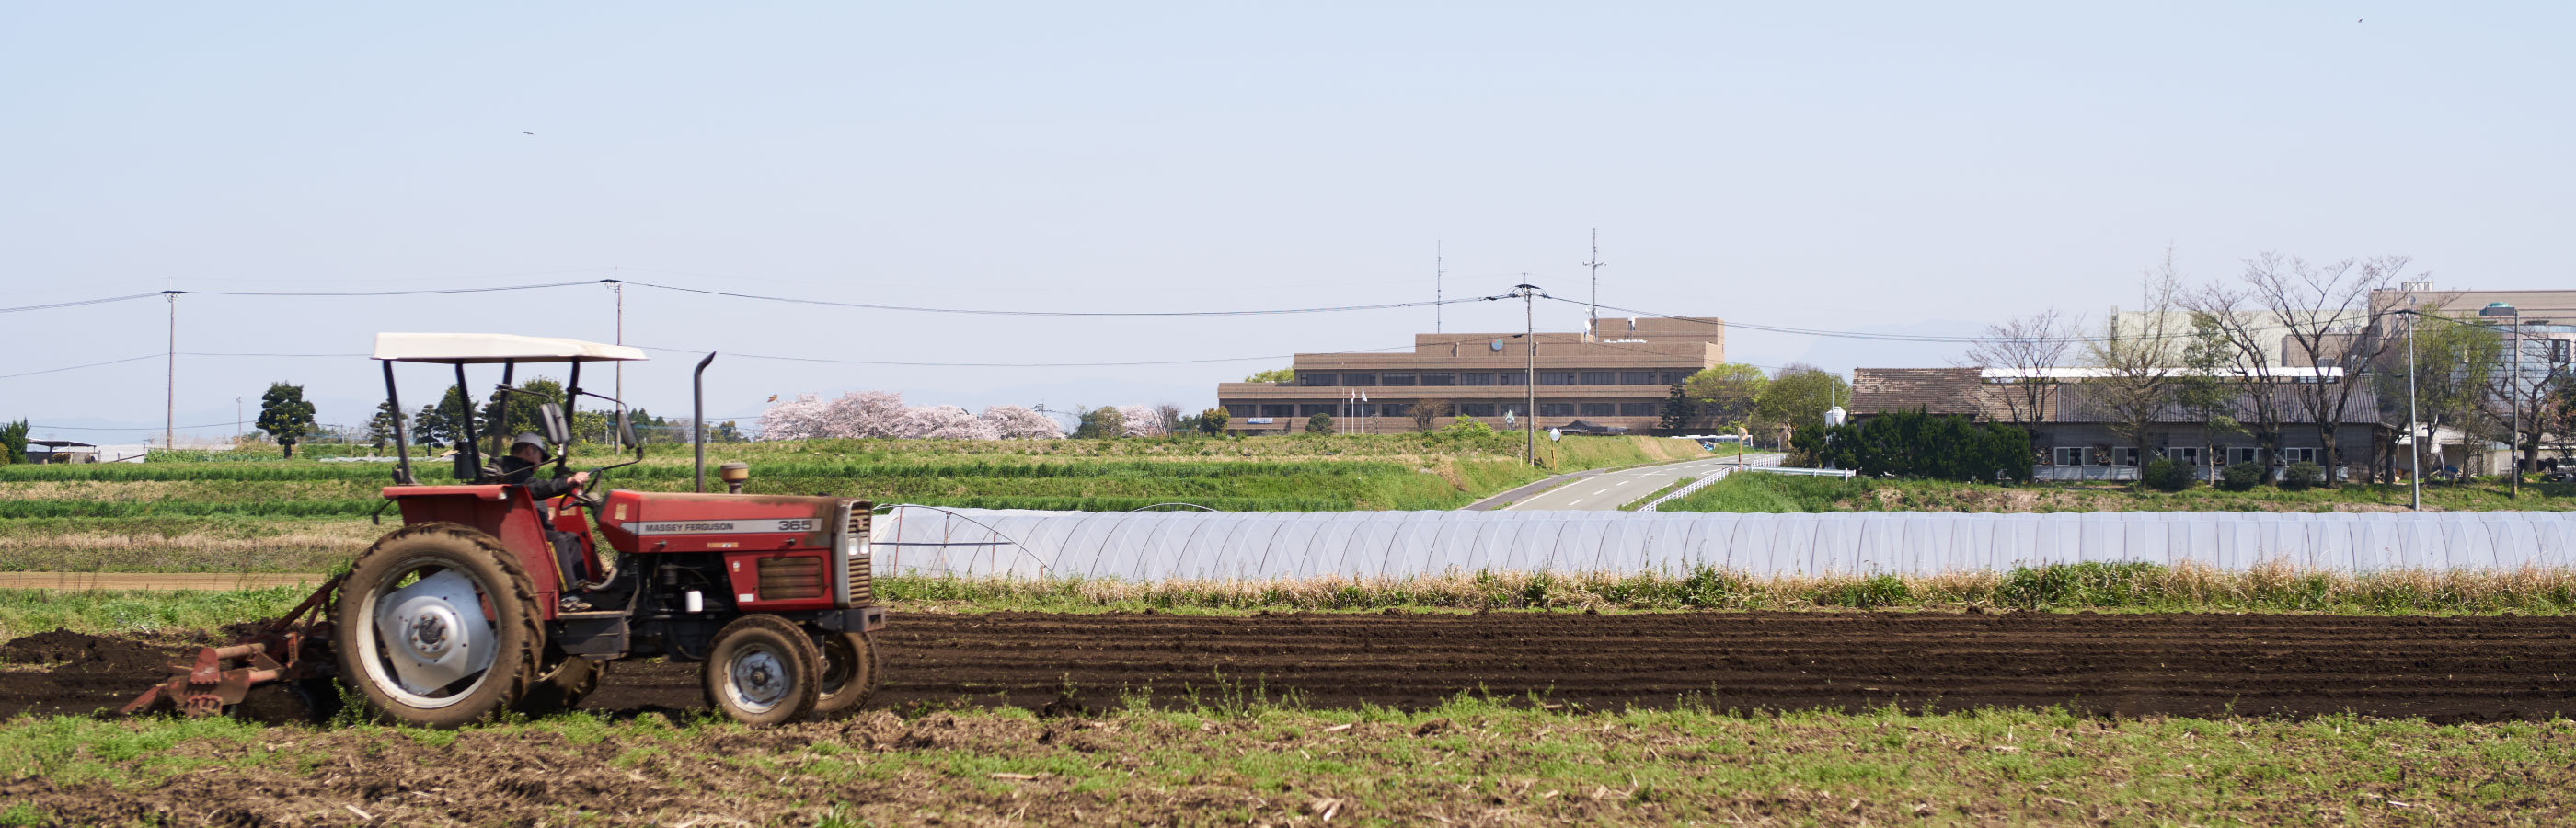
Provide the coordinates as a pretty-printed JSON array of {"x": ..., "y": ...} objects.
[{"x": 1596, "y": 264}]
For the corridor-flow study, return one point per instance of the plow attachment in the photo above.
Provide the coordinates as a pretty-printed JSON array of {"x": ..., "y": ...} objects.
[{"x": 293, "y": 649}]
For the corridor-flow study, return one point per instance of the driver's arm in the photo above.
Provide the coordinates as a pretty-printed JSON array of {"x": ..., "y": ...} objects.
[{"x": 551, "y": 489}]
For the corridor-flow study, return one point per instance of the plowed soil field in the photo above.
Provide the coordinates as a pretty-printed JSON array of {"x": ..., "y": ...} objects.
[{"x": 2443, "y": 669}]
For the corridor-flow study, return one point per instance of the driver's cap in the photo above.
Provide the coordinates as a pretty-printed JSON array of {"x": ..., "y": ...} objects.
[{"x": 530, "y": 438}]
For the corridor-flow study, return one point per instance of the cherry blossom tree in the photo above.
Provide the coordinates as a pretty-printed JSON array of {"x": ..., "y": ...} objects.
[
  {"x": 942, "y": 422},
  {"x": 866, "y": 414},
  {"x": 1011, "y": 422},
  {"x": 803, "y": 418},
  {"x": 1143, "y": 421}
]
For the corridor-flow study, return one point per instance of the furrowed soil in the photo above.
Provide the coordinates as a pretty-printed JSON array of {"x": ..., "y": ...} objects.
[{"x": 2441, "y": 669}]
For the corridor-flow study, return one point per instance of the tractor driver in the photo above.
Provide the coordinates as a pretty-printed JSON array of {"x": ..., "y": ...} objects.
[{"x": 528, "y": 454}]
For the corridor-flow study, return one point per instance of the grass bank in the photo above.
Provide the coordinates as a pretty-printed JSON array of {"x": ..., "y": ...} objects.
[
  {"x": 272, "y": 515},
  {"x": 1758, "y": 492},
  {"x": 1265, "y": 761},
  {"x": 2134, "y": 587}
]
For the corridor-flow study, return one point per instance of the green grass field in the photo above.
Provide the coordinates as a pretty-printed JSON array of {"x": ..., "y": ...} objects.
[
  {"x": 272, "y": 515},
  {"x": 1275, "y": 762}
]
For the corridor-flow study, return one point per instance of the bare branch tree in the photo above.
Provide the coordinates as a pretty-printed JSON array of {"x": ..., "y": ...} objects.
[
  {"x": 2247, "y": 358},
  {"x": 2328, "y": 316},
  {"x": 2029, "y": 347},
  {"x": 2138, "y": 360}
]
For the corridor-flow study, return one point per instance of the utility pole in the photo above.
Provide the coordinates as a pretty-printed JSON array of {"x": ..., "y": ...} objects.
[
  {"x": 170, "y": 387},
  {"x": 2516, "y": 384},
  {"x": 2415, "y": 436},
  {"x": 1439, "y": 270},
  {"x": 620, "y": 365},
  {"x": 1595, "y": 265},
  {"x": 237, "y": 418},
  {"x": 1529, "y": 382}
]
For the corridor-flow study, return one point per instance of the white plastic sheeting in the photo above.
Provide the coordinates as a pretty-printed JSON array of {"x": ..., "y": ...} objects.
[{"x": 1157, "y": 546}]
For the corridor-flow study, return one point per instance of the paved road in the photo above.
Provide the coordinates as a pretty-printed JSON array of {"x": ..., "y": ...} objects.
[{"x": 1609, "y": 491}]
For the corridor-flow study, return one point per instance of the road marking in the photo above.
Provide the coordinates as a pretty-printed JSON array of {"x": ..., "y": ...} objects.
[
  {"x": 1577, "y": 501},
  {"x": 1603, "y": 491}
]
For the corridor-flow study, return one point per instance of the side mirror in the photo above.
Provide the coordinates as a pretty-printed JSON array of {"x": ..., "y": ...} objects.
[
  {"x": 551, "y": 418},
  {"x": 626, "y": 433}
]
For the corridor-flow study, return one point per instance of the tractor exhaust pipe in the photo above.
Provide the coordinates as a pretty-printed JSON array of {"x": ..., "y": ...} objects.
[{"x": 698, "y": 417}]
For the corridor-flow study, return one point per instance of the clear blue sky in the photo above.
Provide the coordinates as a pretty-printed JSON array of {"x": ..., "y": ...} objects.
[{"x": 1907, "y": 166}]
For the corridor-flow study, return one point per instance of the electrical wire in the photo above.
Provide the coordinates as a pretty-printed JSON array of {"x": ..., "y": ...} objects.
[
  {"x": 78, "y": 367},
  {"x": 433, "y": 291},
  {"x": 79, "y": 302},
  {"x": 1082, "y": 314},
  {"x": 1073, "y": 364}
]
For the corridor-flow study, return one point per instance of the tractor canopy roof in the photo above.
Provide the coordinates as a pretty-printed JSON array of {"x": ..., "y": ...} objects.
[{"x": 464, "y": 348}]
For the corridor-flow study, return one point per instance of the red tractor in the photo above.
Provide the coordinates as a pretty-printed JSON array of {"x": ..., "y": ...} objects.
[{"x": 490, "y": 600}]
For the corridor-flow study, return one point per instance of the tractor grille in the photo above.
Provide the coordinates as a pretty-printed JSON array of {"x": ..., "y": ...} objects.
[
  {"x": 863, "y": 566},
  {"x": 786, "y": 578}
]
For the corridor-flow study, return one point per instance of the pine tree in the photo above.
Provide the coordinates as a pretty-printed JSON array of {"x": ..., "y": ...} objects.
[{"x": 285, "y": 415}]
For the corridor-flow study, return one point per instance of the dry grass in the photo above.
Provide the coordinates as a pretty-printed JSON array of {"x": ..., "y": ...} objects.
[{"x": 183, "y": 545}]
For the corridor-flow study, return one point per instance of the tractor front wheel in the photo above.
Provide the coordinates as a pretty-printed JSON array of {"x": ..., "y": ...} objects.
[
  {"x": 851, "y": 665},
  {"x": 763, "y": 670},
  {"x": 437, "y": 626}
]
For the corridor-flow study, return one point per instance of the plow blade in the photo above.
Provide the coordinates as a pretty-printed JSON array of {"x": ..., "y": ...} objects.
[{"x": 294, "y": 648}]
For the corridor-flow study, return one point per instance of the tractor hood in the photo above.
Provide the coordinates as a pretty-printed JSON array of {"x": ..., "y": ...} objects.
[{"x": 652, "y": 522}]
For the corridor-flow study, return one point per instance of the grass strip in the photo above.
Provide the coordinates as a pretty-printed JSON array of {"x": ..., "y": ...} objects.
[
  {"x": 1271, "y": 761},
  {"x": 1786, "y": 493},
  {"x": 2131, "y": 587}
]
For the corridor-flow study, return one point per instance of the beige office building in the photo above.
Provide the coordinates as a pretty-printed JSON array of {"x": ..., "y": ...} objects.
[{"x": 1618, "y": 374}]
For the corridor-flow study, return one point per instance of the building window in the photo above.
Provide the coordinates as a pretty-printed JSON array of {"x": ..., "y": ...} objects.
[
  {"x": 2243, "y": 454},
  {"x": 1395, "y": 409},
  {"x": 1439, "y": 379},
  {"x": 1312, "y": 409},
  {"x": 1476, "y": 378},
  {"x": 1512, "y": 378},
  {"x": 1600, "y": 377},
  {"x": 2186, "y": 455},
  {"x": 1359, "y": 409},
  {"x": 1639, "y": 378},
  {"x": 1547, "y": 409},
  {"x": 1360, "y": 379},
  {"x": 1676, "y": 377},
  {"x": 2302, "y": 455},
  {"x": 1305, "y": 378},
  {"x": 2067, "y": 455},
  {"x": 1640, "y": 409},
  {"x": 1242, "y": 410},
  {"x": 2126, "y": 456},
  {"x": 1556, "y": 378},
  {"x": 1395, "y": 379},
  {"x": 1278, "y": 409},
  {"x": 1600, "y": 409},
  {"x": 1477, "y": 409}
]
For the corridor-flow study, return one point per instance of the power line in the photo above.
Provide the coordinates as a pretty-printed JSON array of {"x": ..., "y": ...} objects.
[
  {"x": 79, "y": 302},
  {"x": 78, "y": 367},
  {"x": 980, "y": 312},
  {"x": 293, "y": 293},
  {"x": 1064, "y": 364}
]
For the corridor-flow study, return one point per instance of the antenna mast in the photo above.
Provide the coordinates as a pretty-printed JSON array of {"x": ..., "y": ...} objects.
[{"x": 1595, "y": 264}]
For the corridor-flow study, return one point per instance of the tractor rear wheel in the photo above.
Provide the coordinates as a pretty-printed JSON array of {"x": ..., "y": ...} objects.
[
  {"x": 852, "y": 664},
  {"x": 763, "y": 670},
  {"x": 437, "y": 626}
]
